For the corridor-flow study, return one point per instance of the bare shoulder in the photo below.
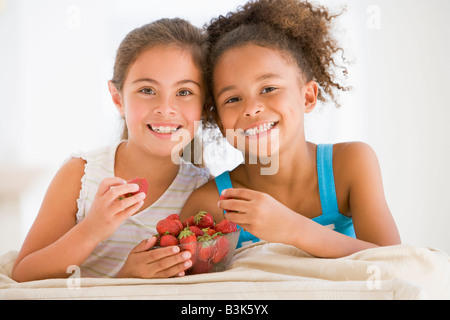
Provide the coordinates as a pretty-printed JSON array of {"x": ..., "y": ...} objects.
[
  {"x": 355, "y": 167},
  {"x": 204, "y": 198},
  {"x": 348, "y": 151},
  {"x": 73, "y": 169},
  {"x": 65, "y": 187},
  {"x": 66, "y": 184},
  {"x": 354, "y": 157}
]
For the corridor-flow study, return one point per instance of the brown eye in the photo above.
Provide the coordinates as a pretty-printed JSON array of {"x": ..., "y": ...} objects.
[
  {"x": 184, "y": 93},
  {"x": 147, "y": 91},
  {"x": 232, "y": 100},
  {"x": 268, "y": 89}
]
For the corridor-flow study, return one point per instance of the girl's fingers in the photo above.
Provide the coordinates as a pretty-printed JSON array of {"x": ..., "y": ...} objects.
[
  {"x": 160, "y": 253},
  {"x": 144, "y": 245},
  {"x": 107, "y": 183},
  {"x": 127, "y": 207},
  {"x": 119, "y": 191},
  {"x": 237, "y": 217},
  {"x": 176, "y": 270},
  {"x": 240, "y": 193},
  {"x": 173, "y": 265},
  {"x": 169, "y": 261},
  {"x": 234, "y": 205}
]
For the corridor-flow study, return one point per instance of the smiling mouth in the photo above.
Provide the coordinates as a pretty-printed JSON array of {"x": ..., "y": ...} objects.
[
  {"x": 164, "y": 129},
  {"x": 260, "y": 129}
]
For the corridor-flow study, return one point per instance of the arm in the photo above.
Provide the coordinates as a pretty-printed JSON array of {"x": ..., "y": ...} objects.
[
  {"x": 357, "y": 171},
  {"x": 372, "y": 218},
  {"x": 373, "y": 222},
  {"x": 55, "y": 241},
  {"x": 256, "y": 215},
  {"x": 203, "y": 199}
]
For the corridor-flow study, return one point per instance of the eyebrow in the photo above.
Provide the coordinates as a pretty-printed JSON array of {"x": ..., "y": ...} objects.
[
  {"x": 229, "y": 88},
  {"x": 268, "y": 76},
  {"x": 260, "y": 78},
  {"x": 181, "y": 82}
]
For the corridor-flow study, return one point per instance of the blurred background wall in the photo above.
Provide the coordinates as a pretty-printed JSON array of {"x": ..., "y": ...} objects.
[{"x": 56, "y": 57}]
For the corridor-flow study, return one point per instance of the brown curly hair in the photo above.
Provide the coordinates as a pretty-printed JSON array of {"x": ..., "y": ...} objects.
[{"x": 301, "y": 31}]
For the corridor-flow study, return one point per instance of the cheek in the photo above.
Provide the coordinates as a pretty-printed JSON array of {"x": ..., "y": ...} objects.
[
  {"x": 227, "y": 118},
  {"x": 192, "y": 115},
  {"x": 133, "y": 111}
]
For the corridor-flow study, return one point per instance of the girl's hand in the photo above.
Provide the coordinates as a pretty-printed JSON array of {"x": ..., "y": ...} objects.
[
  {"x": 107, "y": 212},
  {"x": 158, "y": 263},
  {"x": 259, "y": 214}
]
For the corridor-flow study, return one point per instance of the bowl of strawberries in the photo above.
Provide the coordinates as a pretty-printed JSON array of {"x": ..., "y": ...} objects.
[{"x": 212, "y": 245}]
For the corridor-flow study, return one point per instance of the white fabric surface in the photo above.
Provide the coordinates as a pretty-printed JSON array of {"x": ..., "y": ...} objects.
[{"x": 266, "y": 271}]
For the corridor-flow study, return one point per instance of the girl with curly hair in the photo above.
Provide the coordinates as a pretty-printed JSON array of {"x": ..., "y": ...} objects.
[{"x": 270, "y": 63}]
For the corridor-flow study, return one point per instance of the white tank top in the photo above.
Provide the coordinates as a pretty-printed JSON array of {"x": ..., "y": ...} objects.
[{"x": 109, "y": 255}]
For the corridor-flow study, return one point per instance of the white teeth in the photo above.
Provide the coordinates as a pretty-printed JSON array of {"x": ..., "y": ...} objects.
[
  {"x": 164, "y": 129},
  {"x": 257, "y": 130}
]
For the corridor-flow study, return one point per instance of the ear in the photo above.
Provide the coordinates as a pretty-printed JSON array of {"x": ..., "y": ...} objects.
[
  {"x": 311, "y": 90},
  {"x": 116, "y": 97}
]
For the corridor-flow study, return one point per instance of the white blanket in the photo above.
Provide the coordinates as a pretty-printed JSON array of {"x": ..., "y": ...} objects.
[{"x": 266, "y": 271}]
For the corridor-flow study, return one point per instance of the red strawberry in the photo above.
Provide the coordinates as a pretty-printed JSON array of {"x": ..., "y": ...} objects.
[
  {"x": 173, "y": 216},
  {"x": 189, "y": 221},
  {"x": 222, "y": 247},
  {"x": 171, "y": 226},
  {"x": 143, "y": 187},
  {"x": 196, "y": 230},
  {"x": 209, "y": 231},
  {"x": 168, "y": 240},
  {"x": 226, "y": 226},
  {"x": 204, "y": 220},
  {"x": 188, "y": 240},
  {"x": 179, "y": 223},
  {"x": 202, "y": 266},
  {"x": 206, "y": 250}
]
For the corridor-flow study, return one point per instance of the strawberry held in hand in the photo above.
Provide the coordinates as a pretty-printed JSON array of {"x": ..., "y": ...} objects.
[{"x": 143, "y": 187}]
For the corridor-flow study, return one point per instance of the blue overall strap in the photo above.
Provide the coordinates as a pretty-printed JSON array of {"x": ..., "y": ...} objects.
[
  {"x": 223, "y": 181},
  {"x": 325, "y": 174}
]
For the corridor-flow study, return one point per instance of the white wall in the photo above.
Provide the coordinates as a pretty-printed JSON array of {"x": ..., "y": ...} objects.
[
  {"x": 407, "y": 69},
  {"x": 400, "y": 107},
  {"x": 56, "y": 57}
]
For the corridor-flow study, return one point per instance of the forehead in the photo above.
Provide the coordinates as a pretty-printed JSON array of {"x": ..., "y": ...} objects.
[
  {"x": 252, "y": 59},
  {"x": 165, "y": 63}
]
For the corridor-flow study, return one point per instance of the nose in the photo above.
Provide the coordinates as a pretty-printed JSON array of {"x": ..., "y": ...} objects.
[
  {"x": 252, "y": 108},
  {"x": 165, "y": 107}
]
